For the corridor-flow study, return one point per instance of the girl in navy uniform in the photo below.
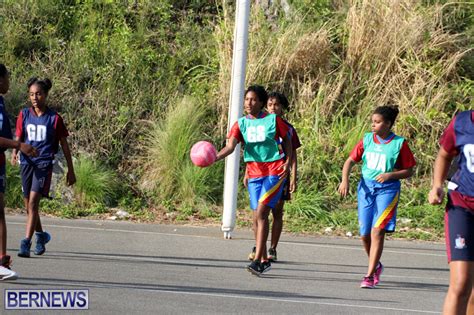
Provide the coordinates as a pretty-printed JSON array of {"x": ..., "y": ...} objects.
[
  {"x": 44, "y": 129},
  {"x": 5, "y": 142},
  {"x": 458, "y": 140}
]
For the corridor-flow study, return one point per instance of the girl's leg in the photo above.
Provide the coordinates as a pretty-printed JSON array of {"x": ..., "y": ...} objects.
[
  {"x": 365, "y": 213},
  {"x": 254, "y": 187},
  {"x": 3, "y": 227},
  {"x": 277, "y": 225},
  {"x": 26, "y": 200},
  {"x": 38, "y": 226},
  {"x": 366, "y": 241},
  {"x": 376, "y": 248},
  {"x": 262, "y": 231},
  {"x": 470, "y": 303},
  {"x": 255, "y": 223},
  {"x": 254, "y": 228},
  {"x": 461, "y": 278},
  {"x": 5, "y": 261},
  {"x": 385, "y": 218},
  {"x": 33, "y": 214}
]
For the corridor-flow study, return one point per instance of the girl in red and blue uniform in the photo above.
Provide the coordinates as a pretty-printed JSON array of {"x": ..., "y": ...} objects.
[
  {"x": 457, "y": 141},
  {"x": 386, "y": 159},
  {"x": 43, "y": 128},
  {"x": 277, "y": 104},
  {"x": 266, "y": 169}
]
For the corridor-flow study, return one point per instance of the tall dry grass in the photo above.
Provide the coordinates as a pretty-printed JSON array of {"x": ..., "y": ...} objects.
[
  {"x": 278, "y": 57},
  {"x": 402, "y": 55},
  {"x": 384, "y": 51}
]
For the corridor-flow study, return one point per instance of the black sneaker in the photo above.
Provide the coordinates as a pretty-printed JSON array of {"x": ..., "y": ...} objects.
[
  {"x": 252, "y": 254},
  {"x": 255, "y": 268},
  {"x": 272, "y": 255},
  {"x": 265, "y": 266}
]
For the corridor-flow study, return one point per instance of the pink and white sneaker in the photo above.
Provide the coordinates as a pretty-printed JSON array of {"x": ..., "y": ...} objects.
[
  {"x": 378, "y": 273},
  {"x": 367, "y": 283}
]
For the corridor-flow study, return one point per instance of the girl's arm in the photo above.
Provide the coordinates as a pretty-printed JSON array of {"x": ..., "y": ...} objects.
[
  {"x": 294, "y": 172},
  {"x": 228, "y": 149},
  {"x": 405, "y": 160},
  {"x": 246, "y": 179},
  {"x": 70, "y": 177},
  {"x": 440, "y": 172},
  {"x": 346, "y": 171},
  {"x": 396, "y": 174},
  {"x": 14, "y": 158},
  {"x": 18, "y": 146},
  {"x": 18, "y": 129},
  {"x": 287, "y": 148}
]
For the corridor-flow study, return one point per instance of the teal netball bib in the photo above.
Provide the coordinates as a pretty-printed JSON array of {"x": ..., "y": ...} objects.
[
  {"x": 379, "y": 158},
  {"x": 259, "y": 137}
]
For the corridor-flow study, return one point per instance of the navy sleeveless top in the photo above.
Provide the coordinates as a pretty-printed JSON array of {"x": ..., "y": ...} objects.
[
  {"x": 40, "y": 132},
  {"x": 464, "y": 131}
]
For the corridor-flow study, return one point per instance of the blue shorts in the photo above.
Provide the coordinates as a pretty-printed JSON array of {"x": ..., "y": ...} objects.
[
  {"x": 459, "y": 231},
  {"x": 266, "y": 190},
  {"x": 36, "y": 178},
  {"x": 377, "y": 205}
]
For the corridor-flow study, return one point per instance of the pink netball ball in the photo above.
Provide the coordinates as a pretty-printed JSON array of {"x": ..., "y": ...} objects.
[{"x": 203, "y": 154}]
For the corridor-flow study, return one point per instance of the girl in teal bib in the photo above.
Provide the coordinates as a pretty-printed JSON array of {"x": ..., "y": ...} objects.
[
  {"x": 386, "y": 159},
  {"x": 266, "y": 169}
]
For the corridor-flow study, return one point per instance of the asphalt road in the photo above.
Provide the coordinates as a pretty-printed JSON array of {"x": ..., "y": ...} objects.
[{"x": 132, "y": 268}]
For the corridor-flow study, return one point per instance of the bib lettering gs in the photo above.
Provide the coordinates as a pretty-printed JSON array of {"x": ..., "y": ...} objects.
[
  {"x": 379, "y": 158},
  {"x": 259, "y": 137}
]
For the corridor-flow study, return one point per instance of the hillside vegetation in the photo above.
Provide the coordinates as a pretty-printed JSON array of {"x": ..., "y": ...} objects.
[{"x": 138, "y": 82}]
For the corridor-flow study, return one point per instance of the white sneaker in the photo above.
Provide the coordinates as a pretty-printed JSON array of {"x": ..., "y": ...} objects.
[{"x": 7, "y": 274}]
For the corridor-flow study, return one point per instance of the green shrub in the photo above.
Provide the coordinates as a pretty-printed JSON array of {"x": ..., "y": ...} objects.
[
  {"x": 13, "y": 192},
  {"x": 96, "y": 184},
  {"x": 311, "y": 205},
  {"x": 168, "y": 171}
]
